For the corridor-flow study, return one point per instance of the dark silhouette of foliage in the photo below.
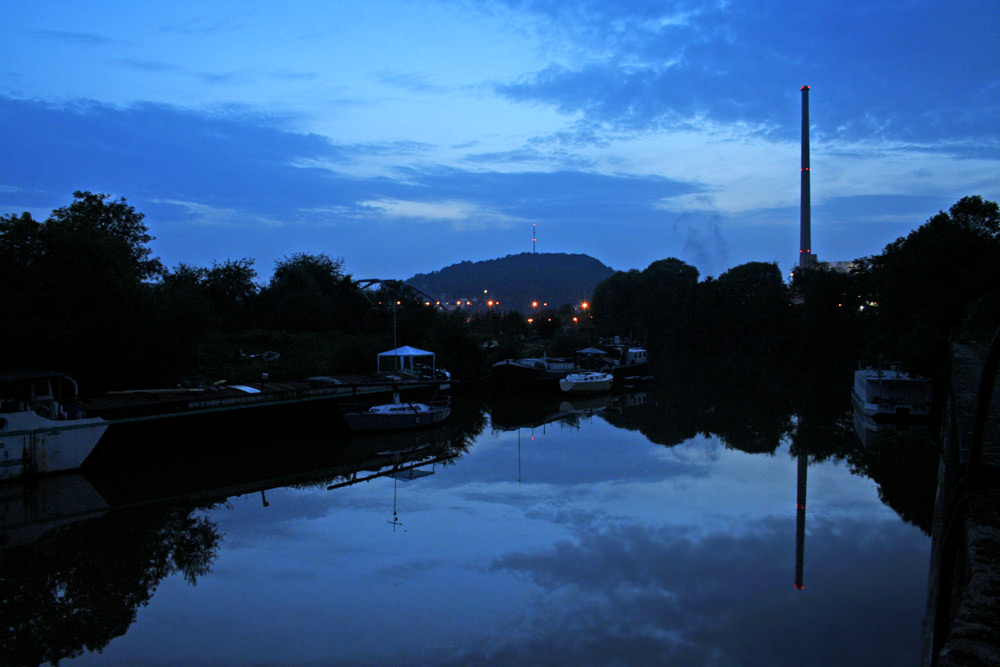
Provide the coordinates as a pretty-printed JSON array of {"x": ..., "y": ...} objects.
[
  {"x": 310, "y": 292},
  {"x": 81, "y": 588},
  {"x": 75, "y": 295},
  {"x": 926, "y": 282}
]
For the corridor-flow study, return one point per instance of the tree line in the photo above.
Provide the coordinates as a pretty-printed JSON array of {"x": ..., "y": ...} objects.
[
  {"x": 906, "y": 303},
  {"x": 81, "y": 292}
]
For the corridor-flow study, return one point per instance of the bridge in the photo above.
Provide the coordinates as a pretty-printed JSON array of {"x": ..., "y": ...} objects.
[{"x": 365, "y": 283}]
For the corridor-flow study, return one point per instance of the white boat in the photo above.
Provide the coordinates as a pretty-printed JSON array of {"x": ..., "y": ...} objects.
[
  {"x": 886, "y": 392},
  {"x": 396, "y": 415},
  {"x": 41, "y": 431},
  {"x": 587, "y": 381}
]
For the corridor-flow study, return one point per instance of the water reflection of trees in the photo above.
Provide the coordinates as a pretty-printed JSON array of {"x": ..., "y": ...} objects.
[
  {"x": 756, "y": 406},
  {"x": 81, "y": 587}
]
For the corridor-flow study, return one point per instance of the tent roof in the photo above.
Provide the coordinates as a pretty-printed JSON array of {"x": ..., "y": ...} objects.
[
  {"x": 406, "y": 351},
  {"x": 590, "y": 350}
]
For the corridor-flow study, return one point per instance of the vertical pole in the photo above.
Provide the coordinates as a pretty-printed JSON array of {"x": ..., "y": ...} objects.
[
  {"x": 805, "y": 240},
  {"x": 800, "y": 517}
]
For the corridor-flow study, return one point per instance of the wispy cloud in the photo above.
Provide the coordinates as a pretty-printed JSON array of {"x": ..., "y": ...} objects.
[
  {"x": 460, "y": 215},
  {"x": 77, "y": 38},
  {"x": 215, "y": 216}
]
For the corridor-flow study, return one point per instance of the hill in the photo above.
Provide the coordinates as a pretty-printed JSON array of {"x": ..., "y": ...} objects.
[{"x": 515, "y": 281}]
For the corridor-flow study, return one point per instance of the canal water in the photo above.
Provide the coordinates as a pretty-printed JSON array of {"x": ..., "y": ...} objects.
[{"x": 643, "y": 527}]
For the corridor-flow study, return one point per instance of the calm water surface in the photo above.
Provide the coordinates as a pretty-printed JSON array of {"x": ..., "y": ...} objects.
[{"x": 576, "y": 541}]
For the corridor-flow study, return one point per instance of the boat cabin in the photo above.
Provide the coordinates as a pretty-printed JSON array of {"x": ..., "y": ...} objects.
[{"x": 42, "y": 392}]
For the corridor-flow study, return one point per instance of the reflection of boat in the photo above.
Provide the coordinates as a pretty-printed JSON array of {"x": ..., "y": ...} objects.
[
  {"x": 587, "y": 381},
  {"x": 509, "y": 413},
  {"x": 873, "y": 433},
  {"x": 397, "y": 415},
  {"x": 41, "y": 430},
  {"x": 887, "y": 393},
  {"x": 32, "y": 508},
  {"x": 531, "y": 372}
]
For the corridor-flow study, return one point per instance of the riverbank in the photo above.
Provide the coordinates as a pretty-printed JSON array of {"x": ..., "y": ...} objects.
[{"x": 963, "y": 616}]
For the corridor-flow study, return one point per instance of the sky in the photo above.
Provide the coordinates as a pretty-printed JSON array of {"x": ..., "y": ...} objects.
[{"x": 406, "y": 136}]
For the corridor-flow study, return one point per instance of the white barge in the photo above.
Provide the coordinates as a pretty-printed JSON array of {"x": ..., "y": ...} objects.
[{"x": 888, "y": 393}]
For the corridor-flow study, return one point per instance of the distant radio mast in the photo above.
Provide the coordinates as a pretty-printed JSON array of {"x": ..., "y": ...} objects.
[{"x": 533, "y": 238}]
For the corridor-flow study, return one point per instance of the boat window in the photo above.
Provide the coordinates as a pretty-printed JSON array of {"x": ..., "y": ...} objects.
[{"x": 41, "y": 389}]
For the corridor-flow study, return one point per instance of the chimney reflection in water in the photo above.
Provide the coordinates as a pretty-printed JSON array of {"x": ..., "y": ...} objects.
[{"x": 800, "y": 518}]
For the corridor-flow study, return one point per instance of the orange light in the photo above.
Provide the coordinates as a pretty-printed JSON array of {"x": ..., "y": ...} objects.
[
  {"x": 534, "y": 304},
  {"x": 530, "y": 320},
  {"x": 585, "y": 305}
]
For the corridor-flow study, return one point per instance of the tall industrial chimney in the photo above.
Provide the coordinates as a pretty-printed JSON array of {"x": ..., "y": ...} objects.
[{"x": 805, "y": 240}]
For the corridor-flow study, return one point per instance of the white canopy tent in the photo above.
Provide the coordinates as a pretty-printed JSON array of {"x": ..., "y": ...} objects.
[{"x": 404, "y": 357}]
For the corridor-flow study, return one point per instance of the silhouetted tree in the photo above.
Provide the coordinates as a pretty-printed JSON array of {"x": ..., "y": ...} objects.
[
  {"x": 924, "y": 283},
  {"x": 310, "y": 292},
  {"x": 75, "y": 289}
]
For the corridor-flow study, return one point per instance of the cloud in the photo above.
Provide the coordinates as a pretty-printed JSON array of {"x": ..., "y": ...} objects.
[
  {"x": 665, "y": 595},
  {"x": 76, "y": 38},
  {"x": 204, "y": 214},
  {"x": 462, "y": 215}
]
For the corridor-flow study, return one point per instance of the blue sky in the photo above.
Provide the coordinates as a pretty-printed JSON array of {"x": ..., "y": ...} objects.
[{"x": 407, "y": 136}]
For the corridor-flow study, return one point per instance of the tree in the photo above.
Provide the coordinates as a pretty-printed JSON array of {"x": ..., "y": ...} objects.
[
  {"x": 977, "y": 214},
  {"x": 75, "y": 291},
  {"x": 97, "y": 214},
  {"x": 231, "y": 290},
  {"x": 925, "y": 282},
  {"x": 310, "y": 292},
  {"x": 828, "y": 304}
]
